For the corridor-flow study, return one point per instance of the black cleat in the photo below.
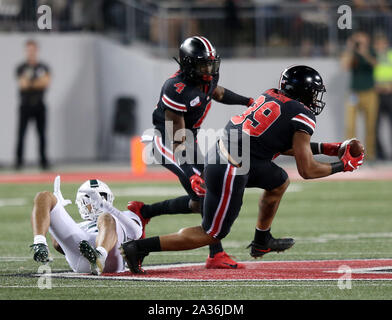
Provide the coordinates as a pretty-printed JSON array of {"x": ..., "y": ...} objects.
[
  {"x": 41, "y": 253},
  {"x": 133, "y": 256},
  {"x": 277, "y": 245}
]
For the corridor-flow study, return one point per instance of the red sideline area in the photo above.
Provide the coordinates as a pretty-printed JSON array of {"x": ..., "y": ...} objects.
[
  {"x": 368, "y": 269},
  {"x": 74, "y": 177},
  {"x": 369, "y": 173}
]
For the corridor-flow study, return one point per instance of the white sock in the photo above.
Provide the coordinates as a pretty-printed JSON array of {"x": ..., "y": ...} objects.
[
  {"x": 40, "y": 239},
  {"x": 263, "y": 229},
  {"x": 103, "y": 252}
]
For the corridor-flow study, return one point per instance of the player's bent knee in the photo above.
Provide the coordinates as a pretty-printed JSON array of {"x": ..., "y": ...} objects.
[
  {"x": 43, "y": 196},
  {"x": 195, "y": 206},
  {"x": 282, "y": 188},
  {"x": 286, "y": 184},
  {"x": 196, "y": 235},
  {"x": 276, "y": 194}
]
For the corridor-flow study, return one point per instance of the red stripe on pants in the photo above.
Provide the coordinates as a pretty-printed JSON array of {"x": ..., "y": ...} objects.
[{"x": 215, "y": 228}]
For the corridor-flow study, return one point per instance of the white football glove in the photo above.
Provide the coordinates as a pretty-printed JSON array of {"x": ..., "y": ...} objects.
[
  {"x": 100, "y": 203},
  {"x": 96, "y": 199},
  {"x": 57, "y": 193}
]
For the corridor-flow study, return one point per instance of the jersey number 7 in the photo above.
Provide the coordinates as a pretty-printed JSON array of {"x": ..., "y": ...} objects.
[{"x": 257, "y": 119}]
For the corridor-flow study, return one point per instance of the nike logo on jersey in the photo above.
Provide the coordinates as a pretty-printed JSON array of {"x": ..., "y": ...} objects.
[{"x": 195, "y": 102}]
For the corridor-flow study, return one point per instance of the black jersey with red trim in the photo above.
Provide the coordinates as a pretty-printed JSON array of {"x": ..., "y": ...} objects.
[
  {"x": 270, "y": 123},
  {"x": 183, "y": 96}
]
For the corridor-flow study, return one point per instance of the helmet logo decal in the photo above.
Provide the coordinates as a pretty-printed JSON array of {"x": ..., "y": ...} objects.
[{"x": 93, "y": 183}]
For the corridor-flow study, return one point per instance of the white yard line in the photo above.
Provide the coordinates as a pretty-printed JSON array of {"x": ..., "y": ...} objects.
[
  {"x": 13, "y": 202},
  {"x": 323, "y": 283}
]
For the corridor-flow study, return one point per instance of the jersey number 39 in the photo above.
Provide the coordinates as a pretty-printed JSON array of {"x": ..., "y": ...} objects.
[{"x": 257, "y": 119}]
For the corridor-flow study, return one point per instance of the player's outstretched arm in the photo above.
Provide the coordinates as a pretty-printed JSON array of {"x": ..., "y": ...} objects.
[
  {"x": 326, "y": 148},
  {"x": 307, "y": 166}
]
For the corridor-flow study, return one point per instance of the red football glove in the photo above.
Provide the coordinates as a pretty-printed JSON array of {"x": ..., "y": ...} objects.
[
  {"x": 198, "y": 185},
  {"x": 251, "y": 100},
  {"x": 332, "y": 148},
  {"x": 351, "y": 163}
]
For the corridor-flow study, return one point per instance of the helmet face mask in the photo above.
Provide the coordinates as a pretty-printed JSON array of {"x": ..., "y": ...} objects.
[
  {"x": 207, "y": 69},
  {"x": 318, "y": 104},
  {"x": 199, "y": 60},
  {"x": 305, "y": 85},
  {"x": 86, "y": 209}
]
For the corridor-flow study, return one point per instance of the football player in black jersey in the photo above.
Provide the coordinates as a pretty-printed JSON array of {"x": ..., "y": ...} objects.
[
  {"x": 281, "y": 121},
  {"x": 184, "y": 103}
]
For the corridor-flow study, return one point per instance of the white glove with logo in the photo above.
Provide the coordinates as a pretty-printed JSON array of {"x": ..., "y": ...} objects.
[
  {"x": 100, "y": 203},
  {"x": 57, "y": 193}
]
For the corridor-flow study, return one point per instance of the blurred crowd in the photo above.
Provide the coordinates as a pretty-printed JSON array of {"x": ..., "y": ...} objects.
[{"x": 307, "y": 24}]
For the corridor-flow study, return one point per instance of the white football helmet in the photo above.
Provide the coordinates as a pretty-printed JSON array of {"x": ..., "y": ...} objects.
[{"x": 83, "y": 201}]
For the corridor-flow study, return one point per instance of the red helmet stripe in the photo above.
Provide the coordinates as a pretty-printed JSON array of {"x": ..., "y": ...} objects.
[{"x": 208, "y": 45}]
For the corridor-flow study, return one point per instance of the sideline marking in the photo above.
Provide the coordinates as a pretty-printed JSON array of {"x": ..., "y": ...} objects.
[
  {"x": 303, "y": 270},
  {"x": 13, "y": 202}
]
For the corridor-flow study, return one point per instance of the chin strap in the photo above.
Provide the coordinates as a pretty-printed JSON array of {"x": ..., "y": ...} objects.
[{"x": 176, "y": 60}]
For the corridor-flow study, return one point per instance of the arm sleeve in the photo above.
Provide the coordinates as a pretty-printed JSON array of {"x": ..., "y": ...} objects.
[{"x": 229, "y": 97}]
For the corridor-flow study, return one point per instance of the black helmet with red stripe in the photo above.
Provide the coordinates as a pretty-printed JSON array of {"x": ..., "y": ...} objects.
[
  {"x": 304, "y": 84},
  {"x": 198, "y": 59}
]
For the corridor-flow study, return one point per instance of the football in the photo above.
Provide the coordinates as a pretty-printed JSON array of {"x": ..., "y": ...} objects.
[{"x": 356, "y": 148}]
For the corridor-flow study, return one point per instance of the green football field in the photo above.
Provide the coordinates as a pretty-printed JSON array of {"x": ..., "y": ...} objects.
[{"x": 329, "y": 220}]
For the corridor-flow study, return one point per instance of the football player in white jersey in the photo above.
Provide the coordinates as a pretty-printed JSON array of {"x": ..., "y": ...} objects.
[{"x": 91, "y": 246}]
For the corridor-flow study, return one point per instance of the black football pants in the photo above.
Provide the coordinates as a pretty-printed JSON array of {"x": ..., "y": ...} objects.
[{"x": 38, "y": 115}]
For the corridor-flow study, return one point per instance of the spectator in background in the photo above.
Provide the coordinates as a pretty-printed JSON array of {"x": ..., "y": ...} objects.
[
  {"x": 383, "y": 78},
  {"x": 33, "y": 80},
  {"x": 27, "y": 14},
  {"x": 232, "y": 25},
  {"x": 359, "y": 59}
]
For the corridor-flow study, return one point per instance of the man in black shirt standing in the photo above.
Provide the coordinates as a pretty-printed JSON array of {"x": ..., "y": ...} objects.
[{"x": 33, "y": 79}]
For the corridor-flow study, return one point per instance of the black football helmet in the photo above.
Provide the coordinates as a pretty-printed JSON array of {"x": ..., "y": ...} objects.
[
  {"x": 198, "y": 59},
  {"x": 304, "y": 84}
]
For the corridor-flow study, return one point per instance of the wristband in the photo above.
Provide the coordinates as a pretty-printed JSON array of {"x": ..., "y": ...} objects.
[
  {"x": 316, "y": 147},
  {"x": 337, "y": 167}
]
